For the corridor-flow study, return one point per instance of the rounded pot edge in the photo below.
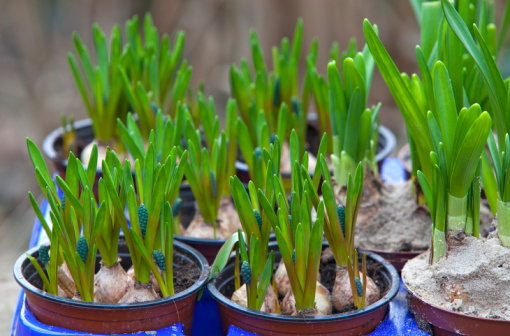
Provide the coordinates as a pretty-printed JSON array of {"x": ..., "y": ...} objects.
[
  {"x": 374, "y": 312},
  {"x": 397, "y": 258},
  {"x": 83, "y": 128},
  {"x": 444, "y": 322},
  {"x": 82, "y": 316}
]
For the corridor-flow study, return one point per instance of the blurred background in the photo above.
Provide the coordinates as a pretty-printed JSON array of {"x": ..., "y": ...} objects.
[{"x": 36, "y": 86}]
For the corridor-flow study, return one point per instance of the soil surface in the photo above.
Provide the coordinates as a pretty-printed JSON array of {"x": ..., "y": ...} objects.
[
  {"x": 227, "y": 222},
  {"x": 390, "y": 219},
  {"x": 186, "y": 273},
  {"x": 473, "y": 278},
  {"x": 327, "y": 275}
]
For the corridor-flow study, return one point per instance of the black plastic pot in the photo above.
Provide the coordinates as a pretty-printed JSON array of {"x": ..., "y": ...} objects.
[
  {"x": 385, "y": 145},
  {"x": 105, "y": 318},
  {"x": 359, "y": 322},
  {"x": 53, "y": 149}
]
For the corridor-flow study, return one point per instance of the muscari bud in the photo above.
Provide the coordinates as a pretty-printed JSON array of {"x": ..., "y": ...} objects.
[
  {"x": 82, "y": 248},
  {"x": 44, "y": 256},
  {"x": 143, "y": 216},
  {"x": 258, "y": 153},
  {"x": 340, "y": 211},
  {"x": 176, "y": 207},
  {"x": 213, "y": 182},
  {"x": 276, "y": 93},
  {"x": 295, "y": 105},
  {"x": 272, "y": 138},
  {"x": 246, "y": 272},
  {"x": 359, "y": 287},
  {"x": 154, "y": 107},
  {"x": 290, "y": 202},
  {"x": 63, "y": 202},
  {"x": 294, "y": 256},
  {"x": 160, "y": 259},
  {"x": 258, "y": 218}
]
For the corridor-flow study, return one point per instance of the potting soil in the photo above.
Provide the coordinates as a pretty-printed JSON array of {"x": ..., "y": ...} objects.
[{"x": 473, "y": 278}]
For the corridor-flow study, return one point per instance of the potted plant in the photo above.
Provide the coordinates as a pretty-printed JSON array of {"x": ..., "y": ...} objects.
[
  {"x": 300, "y": 242},
  {"x": 79, "y": 227},
  {"x": 414, "y": 97},
  {"x": 456, "y": 304},
  {"x": 213, "y": 217},
  {"x": 434, "y": 46},
  {"x": 135, "y": 76}
]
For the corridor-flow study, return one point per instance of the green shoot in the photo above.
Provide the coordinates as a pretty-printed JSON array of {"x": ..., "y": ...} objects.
[
  {"x": 340, "y": 226},
  {"x": 336, "y": 104},
  {"x": 494, "y": 178},
  {"x": 459, "y": 140},
  {"x": 256, "y": 282},
  {"x": 100, "y": 85},
  {"x": 261, "y": 96},
  {"x": 253, "y": 205},
  {"x": 299, "y": 238},
  {"x": 208, "y": 172},
  {"x": 157, "y": 77},
  {"x": 150, "y": 211},
  {"x": 355, "y": 127},
  {"x": 76, "y": 220},
  {"x": 443, "y": 34}
]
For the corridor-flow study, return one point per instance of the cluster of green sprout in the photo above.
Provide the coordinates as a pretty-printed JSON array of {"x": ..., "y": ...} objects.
[
  {"x": 447, "y": 101},
  {"x": 299, "y": 238},
  {"x": 136, "y": 76},
  {"x": 82, "y": 224},
  {"x": 77, "y": 223},
  {"x": 268, "y": 101}
]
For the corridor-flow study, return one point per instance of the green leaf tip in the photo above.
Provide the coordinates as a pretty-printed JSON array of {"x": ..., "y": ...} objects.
[
  {"x": 340, "y": 211},
  {"x": 44, "y": 256},
  {"x": 160, "y": 259},
  {"x": 143, "y": 216},
  {"x": 258, "y": 218},
  {"x": 359, "y": 286},
  {"x": 246, "y": 272},
  {"x": 82, "y": 248}
]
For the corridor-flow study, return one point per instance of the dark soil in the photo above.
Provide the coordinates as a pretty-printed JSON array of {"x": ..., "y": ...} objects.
[
  {"x": 186, "y": 272},
  {"x": 327, "y": 272}
]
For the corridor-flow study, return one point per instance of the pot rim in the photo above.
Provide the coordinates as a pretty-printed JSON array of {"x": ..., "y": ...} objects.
[
  {"x": 449, "y": 312},
  {"x": 391, "y": 142},
  {"x": 204, "y": 266},
  {"x": 50, "y": 139},
  {"x": 207, "y": 241},
  {"x": 392, "y": 292},
  {"x": 403, "y": 253}
]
